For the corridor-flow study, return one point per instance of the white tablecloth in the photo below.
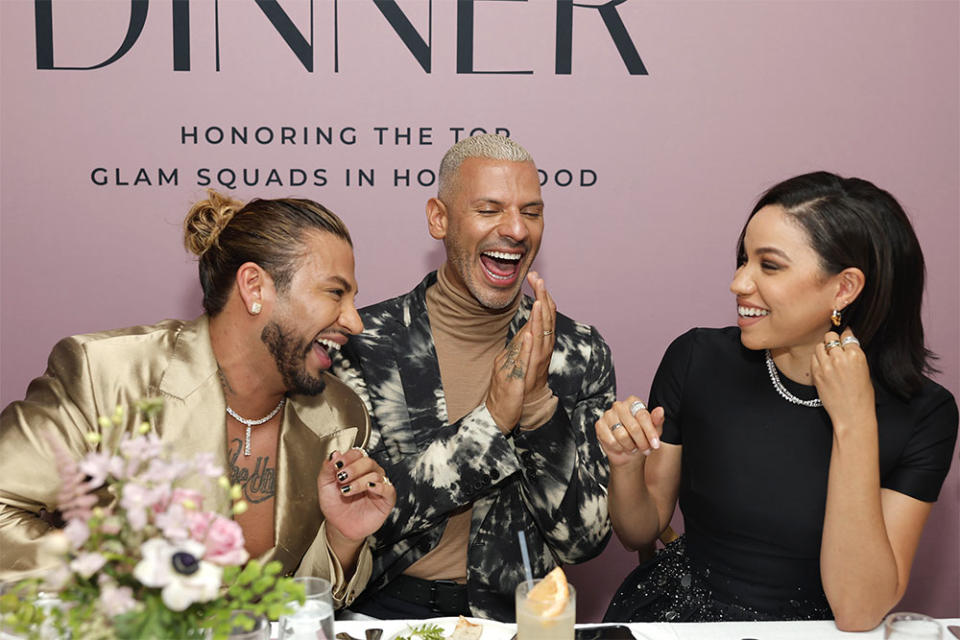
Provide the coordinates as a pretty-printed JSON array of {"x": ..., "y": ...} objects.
[{"x": 816, "y": 630}]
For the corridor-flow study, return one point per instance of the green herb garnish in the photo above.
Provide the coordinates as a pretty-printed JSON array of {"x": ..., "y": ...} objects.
[{"x": 424, "y": 632}]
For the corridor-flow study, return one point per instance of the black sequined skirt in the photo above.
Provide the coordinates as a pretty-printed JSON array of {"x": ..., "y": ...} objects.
[{"x": 666, "y": 588}]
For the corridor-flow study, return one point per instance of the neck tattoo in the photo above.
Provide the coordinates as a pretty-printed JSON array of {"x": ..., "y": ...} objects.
[
  {"x": 782, "y": 390},
  {"x": 253, "y": 423}
]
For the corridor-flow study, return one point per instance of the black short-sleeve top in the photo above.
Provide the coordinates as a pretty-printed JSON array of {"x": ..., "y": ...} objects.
[{"x": 754, "y": 467}]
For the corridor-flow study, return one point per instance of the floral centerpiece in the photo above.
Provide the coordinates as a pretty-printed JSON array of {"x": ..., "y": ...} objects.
[{"x": 142, "y": 559}]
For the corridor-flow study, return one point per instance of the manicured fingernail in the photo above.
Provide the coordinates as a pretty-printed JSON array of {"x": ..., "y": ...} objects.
[
  {"x": 655, "y": 443},
  {"x": 372, "y": 484},
  {"x": 338, "y": 464},
  {"x": 345, "y": 489},
  {"x": 332, "y": 453},
  {"x": 342, "y": 476},
  {"x": 647, "y": 452}
]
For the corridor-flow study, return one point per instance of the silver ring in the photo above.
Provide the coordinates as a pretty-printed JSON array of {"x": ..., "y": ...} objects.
[
  {"x": 615, "y": 426},
  {"x": 386, "y": 481},
  {"x": 831, "y": 345},
  {"x": 548, "y": 332},
  {"x": 637, "y": 407},
  {"x": 849, "y": 340}
]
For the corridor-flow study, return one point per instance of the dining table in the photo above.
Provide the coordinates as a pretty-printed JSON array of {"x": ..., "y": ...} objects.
[{"x": 794, "y": 630}]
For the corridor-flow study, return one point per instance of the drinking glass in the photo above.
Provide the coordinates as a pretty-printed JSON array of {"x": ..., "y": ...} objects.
[
  {"x": 911, "y": 626},
  {"x": 312, "y": 620},
  {"x": 533, "y": 625},
  {"x": 260, "y": 630}
]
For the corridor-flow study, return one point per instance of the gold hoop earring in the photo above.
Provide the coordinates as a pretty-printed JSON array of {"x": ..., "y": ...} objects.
[{"x": 835, "y": 318}]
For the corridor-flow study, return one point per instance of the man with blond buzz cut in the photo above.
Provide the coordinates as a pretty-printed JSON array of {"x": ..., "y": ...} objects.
[{"x": 482, "y": 404}]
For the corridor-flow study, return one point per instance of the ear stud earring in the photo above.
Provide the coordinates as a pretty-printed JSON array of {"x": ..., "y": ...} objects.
[{"x": 256, "y": 307}]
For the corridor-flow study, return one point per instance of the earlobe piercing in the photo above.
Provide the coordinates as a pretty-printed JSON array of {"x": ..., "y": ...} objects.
[{"x": 256, "y": 307}]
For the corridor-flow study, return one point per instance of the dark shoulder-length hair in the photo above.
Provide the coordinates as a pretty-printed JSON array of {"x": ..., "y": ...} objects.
[{"x": 853, "y": 223}]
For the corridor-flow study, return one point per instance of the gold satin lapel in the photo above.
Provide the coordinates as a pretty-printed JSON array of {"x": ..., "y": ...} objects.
[
  {"x": 301, "y": 456},
  {"x": 194, "y": 409}
]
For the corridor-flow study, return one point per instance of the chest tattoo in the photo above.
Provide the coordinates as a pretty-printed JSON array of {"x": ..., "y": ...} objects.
[{"x": 259, "y": 483}]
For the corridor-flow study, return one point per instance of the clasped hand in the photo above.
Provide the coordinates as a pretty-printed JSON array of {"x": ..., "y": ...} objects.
[
  {"x": 628, "y": 432},
  {"x": 521, "y": 369},
  {"x": 842, "y": 378}
]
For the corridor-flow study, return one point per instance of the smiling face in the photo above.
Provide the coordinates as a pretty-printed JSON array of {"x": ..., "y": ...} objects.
[
  {"x": 315, "y": 314},
  {"x": 784, "y": 298},
  {"x": 491, "y": 224}
]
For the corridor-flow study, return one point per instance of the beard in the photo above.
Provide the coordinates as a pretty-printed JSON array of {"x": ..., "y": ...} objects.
[
  {"x": 290, "y": 354},
  {"x": 494, "y": 299}
]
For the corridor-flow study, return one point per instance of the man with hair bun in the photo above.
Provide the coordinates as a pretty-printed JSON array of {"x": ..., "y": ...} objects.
[
  {"x": 483, "y": 403},
  {"x": 246, "y": 381}
]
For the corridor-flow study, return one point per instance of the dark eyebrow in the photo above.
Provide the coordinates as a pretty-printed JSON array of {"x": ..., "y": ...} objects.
[
  {"x": 774, "y": 251},
  {"x": 342, "y": 282}
]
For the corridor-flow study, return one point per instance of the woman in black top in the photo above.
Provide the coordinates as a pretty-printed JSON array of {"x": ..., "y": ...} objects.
[{"x": 806, "y": 445}]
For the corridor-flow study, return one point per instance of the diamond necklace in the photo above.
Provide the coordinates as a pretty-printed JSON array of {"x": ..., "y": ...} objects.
[
  {"x": 253, "y": 423},
  {"x": 782, "y": 390}
]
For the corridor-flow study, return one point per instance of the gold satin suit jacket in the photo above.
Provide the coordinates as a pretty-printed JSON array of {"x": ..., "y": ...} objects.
[{"x": 89, "y": 375}]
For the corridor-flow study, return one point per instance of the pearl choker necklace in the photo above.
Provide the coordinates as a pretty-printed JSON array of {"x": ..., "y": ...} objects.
[
  {"x": 253, "y": 423},
  {"x": 782, "y": 390}
]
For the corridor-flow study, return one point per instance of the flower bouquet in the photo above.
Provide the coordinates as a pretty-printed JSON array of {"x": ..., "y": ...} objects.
[{"x": 142, "y": 559}]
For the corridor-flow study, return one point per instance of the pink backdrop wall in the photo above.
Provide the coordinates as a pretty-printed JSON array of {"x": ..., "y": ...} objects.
[{"x": 739, "y": 95}]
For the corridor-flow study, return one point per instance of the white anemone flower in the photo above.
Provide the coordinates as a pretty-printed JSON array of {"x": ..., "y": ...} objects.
[{"x": 179, "y": 571}]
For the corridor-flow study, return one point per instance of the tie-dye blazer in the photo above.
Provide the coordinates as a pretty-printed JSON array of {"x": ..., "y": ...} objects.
[{"x": 549, "y": 482}]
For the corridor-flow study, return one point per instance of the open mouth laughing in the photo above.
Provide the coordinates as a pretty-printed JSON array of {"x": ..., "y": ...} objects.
[
  {"x": 501, "y": 267},
  {"x": 323, "y": 348}
]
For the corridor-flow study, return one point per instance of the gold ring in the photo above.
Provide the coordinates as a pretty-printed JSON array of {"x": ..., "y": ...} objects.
[{"x": 548, "y": 332}]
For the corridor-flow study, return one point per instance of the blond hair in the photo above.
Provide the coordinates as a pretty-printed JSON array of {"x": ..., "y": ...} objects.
[{"x": 485, "y": 145}]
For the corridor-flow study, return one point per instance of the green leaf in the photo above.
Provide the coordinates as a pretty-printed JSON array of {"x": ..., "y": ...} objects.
[
  {"x": 250, "y": 573},
  {"x": 263, "y": 584}
]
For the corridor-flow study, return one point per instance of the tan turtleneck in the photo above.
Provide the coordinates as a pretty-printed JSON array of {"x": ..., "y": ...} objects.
[{"x": 467, "y": 337}]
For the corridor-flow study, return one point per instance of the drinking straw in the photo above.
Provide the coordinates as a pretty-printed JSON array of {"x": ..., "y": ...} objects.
[{"x": 526, "y": 557}]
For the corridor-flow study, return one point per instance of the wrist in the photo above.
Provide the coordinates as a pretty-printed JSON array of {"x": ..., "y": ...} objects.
[
  {"x": 339, "y": 539},
  {"x": 503, "y": 424},
  {"x": 346, "y": 549},
  {"x": 631, "y": 464}
]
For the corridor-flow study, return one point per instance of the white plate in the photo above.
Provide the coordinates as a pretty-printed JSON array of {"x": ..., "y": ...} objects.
[{"x": 492, "y": 630}]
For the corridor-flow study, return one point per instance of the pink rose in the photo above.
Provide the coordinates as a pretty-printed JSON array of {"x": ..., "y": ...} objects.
[{"x": 222, "y": 537}]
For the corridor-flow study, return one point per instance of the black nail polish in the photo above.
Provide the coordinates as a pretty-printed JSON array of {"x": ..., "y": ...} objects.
[
  {"x": 330, "y": 457},
  {"x": 372, "y": 484},
  {"x": 338, "y": 464},
  {"x": 345, "y": 489},
  {"x": 342, "y": 476}
]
